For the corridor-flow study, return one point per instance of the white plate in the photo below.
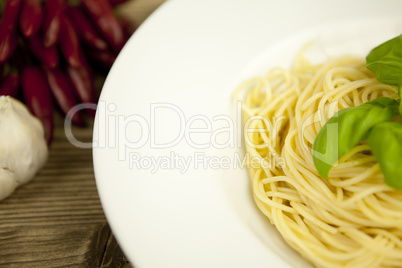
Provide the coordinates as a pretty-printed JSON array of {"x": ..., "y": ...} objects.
[{"x": 176, "y": 74}]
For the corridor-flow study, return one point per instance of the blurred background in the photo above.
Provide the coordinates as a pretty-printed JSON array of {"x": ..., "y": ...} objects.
[{"x": 56, "y": 220}]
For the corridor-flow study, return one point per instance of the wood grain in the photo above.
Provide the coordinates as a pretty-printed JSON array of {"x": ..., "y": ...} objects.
[{"x": 57, "y": 219}]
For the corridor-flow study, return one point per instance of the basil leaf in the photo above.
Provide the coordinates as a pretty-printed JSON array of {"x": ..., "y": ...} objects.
[
  {"x": 385, "y": 142},
  {"x": 385, "y": 61},
  {"x": 400, "y": 98},
  {"x": 347, "y": 128}
]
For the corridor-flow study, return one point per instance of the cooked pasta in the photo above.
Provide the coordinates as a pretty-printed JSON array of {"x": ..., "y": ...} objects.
[{"x": 353, "y": 219}]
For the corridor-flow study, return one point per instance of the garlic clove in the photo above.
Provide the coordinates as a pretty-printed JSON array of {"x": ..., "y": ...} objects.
[
  {"x": 23, "y": 149},
  {"x": 8, "y": 183}
]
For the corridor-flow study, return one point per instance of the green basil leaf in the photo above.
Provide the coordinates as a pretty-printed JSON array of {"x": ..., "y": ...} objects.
[
  {"x": 400, "y": 98},
  {"x": 347, "y": 128},
  {"x": 385, "y": 141},
  {"x": 385, "y": 61}
]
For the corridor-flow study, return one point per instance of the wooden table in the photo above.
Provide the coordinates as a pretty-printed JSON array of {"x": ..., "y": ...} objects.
[{"x": 57, "y": 220}]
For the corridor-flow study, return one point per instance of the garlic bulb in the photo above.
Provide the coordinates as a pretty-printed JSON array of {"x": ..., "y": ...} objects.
[{"x": 23, "y": 149}]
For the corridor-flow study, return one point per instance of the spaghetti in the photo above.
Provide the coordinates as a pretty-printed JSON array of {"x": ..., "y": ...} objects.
[{"x": 353, "y": 219}]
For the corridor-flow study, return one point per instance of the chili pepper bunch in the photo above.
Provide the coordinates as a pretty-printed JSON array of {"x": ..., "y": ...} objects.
[{"x": 51, "y": 50}]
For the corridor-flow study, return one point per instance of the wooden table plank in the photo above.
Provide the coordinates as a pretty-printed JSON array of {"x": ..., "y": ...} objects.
[{"x": 57, "y": 219}]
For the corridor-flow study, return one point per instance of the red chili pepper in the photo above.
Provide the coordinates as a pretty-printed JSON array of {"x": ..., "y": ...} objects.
[
  {"x": 70, "y": 45},
  {"x": 128, "y": 27},
  {"x": 102, "y": 14},
  {"x": 10, "y": 85},
  {"x": 8, "y": 35},
  {"x": 84, "y": 88},
  {"x": 31, "y": 17},
  {"x": 51, "y": 21},
  {"x": 9, "y": 46},
  {"x": 47, "y": 55},
  {"x": 87, "y": 31},
  {"x": 82, "y": 79},
  {"x": 37, "y": 96},
  {"x": 103, "y": 57},
  {"x": 62, "y": 92}
]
